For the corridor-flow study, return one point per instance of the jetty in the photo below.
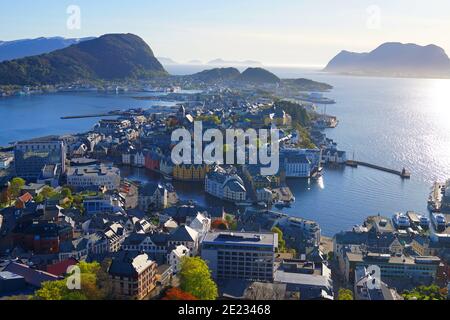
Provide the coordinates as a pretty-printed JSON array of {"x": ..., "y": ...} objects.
[{"x": 404, "y": 174}]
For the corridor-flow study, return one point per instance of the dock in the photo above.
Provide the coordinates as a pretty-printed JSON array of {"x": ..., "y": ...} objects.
[{"x": 402, "y": 173}]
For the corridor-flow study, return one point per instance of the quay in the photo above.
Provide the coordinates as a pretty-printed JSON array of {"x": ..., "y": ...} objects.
[{"x": 403, "y": 173}]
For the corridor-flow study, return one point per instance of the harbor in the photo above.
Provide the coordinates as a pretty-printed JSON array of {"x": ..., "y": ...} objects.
[{"x": 404, "y": 174}]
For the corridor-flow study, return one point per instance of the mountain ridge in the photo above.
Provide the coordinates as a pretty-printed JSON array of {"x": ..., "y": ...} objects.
[
  {"x": 394, "y": 59},
  {"x": 109, "y": 57}
]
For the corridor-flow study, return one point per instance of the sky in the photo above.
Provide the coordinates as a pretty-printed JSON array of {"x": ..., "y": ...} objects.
[{"x": 274, "y": 32}]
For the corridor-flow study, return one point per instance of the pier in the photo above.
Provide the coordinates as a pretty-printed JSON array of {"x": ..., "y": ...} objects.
[{"x": 403, "y": 173}]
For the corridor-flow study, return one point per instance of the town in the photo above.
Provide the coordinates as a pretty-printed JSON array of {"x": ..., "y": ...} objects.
[{"x": 65, "y": 203}]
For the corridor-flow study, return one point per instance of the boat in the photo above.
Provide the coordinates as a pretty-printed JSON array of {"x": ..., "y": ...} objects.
[
  {"x": 439, "y": 222},
  {"x": 424, "y": 222},
  {"x": 401, "y": 221}
]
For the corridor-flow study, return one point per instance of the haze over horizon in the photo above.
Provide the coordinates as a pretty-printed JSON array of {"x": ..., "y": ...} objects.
[{"x": 285, "y": 32}]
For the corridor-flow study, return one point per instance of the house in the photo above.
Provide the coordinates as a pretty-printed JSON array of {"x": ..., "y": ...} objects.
[
  {"x": 187, "y": 237},
  {"x": 175, "y": 256},
  {"x": 154, "y": 244},
  {"x": 201, "y": 224},
  {"x": 82, "y": 247},
  {"x": 132, "y": 275},
  {"x": 153, "y": 195},
  {"x": 22, "y": 201}
]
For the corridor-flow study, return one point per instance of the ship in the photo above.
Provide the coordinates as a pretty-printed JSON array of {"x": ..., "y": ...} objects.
[{"x": 401, "y": 221}]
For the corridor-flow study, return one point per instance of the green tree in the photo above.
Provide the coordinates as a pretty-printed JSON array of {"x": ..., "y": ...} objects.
[
  {"x": 47, "y": 192},
  {"x": 90, "y": 287},
  {"x": 195, "y": 278},
  {"x": 432, "y": 292},
  {"x": 345, "y": 294},
  {"x": 15, "y": 186}
]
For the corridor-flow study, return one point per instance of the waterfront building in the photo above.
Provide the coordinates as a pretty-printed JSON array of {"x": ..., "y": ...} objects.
[
  {"x": 153, "y": 195},
  {"x": 31, "y": 156},
  {"x": 264, "y": 195},
  {"x": 132, "y": 275},
  {"x": 225, "y": 185},
  {"x": 93, "y": 176},
  {"x": 190, "y": 172},
  {"x": 296, "y": 166},
  {"x": 240, "y": 255},
  {"x": 445, "y": 202}
]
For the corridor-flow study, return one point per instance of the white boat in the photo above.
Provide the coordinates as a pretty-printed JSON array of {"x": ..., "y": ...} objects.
[{"x": 401, "y": 221}]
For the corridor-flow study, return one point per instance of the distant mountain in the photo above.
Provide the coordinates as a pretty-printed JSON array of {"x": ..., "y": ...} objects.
[
  {"x": 250, "y": 75},
  {"x": 307, "y": 84},
  {"x": 258, "y": 76},
  {"x": 109, "y": 57},
  {"x": 217, "y": 74},
  {"x": 246, "y": 63},
  {"x": 17, "y": 49},
  {"x": 166, "y": 61},
  {"x": 394, "y": 60}
]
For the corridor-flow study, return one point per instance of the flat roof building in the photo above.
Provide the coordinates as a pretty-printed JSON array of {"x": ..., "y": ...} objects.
[{"x": 240, "y": 255}]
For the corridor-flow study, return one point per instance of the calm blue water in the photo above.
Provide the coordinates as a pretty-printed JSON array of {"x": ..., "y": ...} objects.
[
  {"x": 24, "y": 117},
  {"x": 390, "y": 122}
]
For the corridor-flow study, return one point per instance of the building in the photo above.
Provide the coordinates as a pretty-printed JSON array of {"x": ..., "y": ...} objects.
[
  {"x": 190, "y": 172},
  {"x": 307, "y": 279},
  {"x": 41, "y": 237},
  {"x": 93, "y": 176},
  {"x": 296, "y": 166},
  {"x": 31, "y": 156},
  {"x": 240, "y": 255},
  {"x": 224, "y": 185},
  {"x": 175, "y": 256},
  {"x": 5, "y": 161},
  {"x": 412, "y": 270},
  {"x": 153, "y": 195},
  {"x": 366, "y": 287},
  {"x": 201, "y": 224},
  {"x": 186, "y": 236},
  {"x": 133, "y": 275}
]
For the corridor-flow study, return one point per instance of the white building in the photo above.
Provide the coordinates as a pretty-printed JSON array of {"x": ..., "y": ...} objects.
[
  {"x": 201, "y": 224},
  {"x": 175, "y": 256},
  {"x": 83, "y": 177},
  {"x": 153, "y": 195},
  {"x": 224, "y": 185}
]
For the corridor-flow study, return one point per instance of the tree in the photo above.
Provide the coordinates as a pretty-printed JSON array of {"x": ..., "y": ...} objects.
[
  {"x": 195, "y": 279},
  {"x": 178, "y": 294},
  {"x": 90, "y": 290},
  {"x": 15, "y": 186},
  {"x": 47, "y": 192},
  {"x": 345, "y": 294},
  {"x": 432, "y": 292},
  {"x": 219, "y": 224},
  {"x": 281, "y": 241}
]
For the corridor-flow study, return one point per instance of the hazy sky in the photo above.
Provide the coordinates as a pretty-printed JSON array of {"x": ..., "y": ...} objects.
[{"x": 289, "y": 32}]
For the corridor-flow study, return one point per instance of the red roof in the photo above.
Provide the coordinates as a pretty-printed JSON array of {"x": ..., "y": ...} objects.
[
  {"x": 60, "y": 268},
  {"x": 26, "y": 197}
]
